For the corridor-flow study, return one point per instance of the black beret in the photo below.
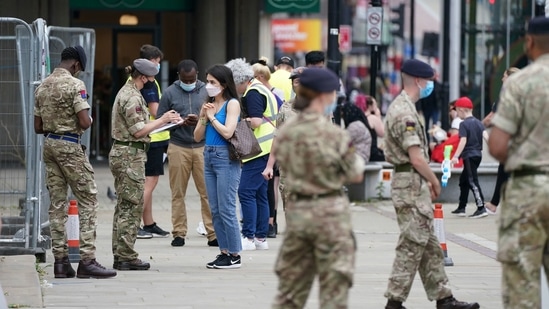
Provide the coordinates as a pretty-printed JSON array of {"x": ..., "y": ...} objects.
[
  {"x": 538, "y": 25},
  {"x": 82, "y": 56},
  {"x": 319, "y": 79},
  {"x": 145, "y": 67},
  {"x": 416, "y": 68}
]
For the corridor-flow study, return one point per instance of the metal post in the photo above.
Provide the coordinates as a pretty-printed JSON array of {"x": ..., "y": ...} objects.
[
  {"x": 333, "y": 36},
  {"x": 445, "y": 66},
  {"x": 412, "y": 29},
  {"x": 374, "y": 60}
]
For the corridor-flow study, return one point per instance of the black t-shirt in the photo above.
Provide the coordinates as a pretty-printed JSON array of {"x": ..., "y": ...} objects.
[{"x": 472, "y": 129}]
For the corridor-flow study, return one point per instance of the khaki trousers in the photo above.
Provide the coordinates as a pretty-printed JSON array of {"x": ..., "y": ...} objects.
[{"x": 182, "y": 163}]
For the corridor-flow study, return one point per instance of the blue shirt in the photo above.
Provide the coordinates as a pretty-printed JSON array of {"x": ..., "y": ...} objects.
[
  {"x": 471, "y": 128},
  {"x": 254, "y": 104},
  {"x": 213, "y": 138},
  {"x": 150, "y": 94}
]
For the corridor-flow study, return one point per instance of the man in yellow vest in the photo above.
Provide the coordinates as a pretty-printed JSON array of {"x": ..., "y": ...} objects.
[
  {"x": 281, "y": 77},
  {"x": 154, "y": 167},
  {"x": 260, "y": 108}
]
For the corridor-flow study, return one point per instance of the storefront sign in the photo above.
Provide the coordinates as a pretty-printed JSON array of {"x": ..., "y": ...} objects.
[
  {"x": 157, "y": 5},
  {"x": 292, "y": 6},
  {"x": 292, "y": 35}
]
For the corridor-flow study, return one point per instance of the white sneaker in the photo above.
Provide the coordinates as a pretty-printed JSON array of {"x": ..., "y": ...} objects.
[
  {"x": 261, "y": 244},
  {"x": 247, "y": 244},
  {"x": 201, "y": 229}
]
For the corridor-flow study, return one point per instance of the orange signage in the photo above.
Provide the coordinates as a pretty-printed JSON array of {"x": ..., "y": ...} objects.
[{"x": 293, "y": 35}]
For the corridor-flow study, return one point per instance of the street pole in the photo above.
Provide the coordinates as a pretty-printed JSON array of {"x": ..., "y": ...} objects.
[
  {"x": 374, "y": 60},
  {"x": 412, "y": 29},
  {"x": 444, "y": 121},
  {"x": 334, "y": 61}
]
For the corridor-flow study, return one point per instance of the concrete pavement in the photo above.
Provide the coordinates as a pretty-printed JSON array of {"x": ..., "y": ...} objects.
[{"x": 178, "y": 277}]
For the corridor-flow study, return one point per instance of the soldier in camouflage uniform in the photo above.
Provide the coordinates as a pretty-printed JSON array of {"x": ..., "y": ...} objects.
[
  {"x": 520, "y": 140},
  {"x": 413, "y": 188},
  {"x": 61, "y": 114},
  {"x": 318, "y": 160},
  {"x": 130, "y": 130}
]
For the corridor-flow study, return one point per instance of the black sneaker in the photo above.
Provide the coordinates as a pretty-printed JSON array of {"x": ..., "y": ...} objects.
[
  {"x": 213, "y": 243},
  {"x": 155, "y": 229},
  {"x": 231, "y": 261},
  {"x": 479, "y": 213},
  {"x": 142, "y": 234},
  {"x": 218, "y": 258},
  {"x": 459, "y": 212},
  {"x": 178, "y": 242}
]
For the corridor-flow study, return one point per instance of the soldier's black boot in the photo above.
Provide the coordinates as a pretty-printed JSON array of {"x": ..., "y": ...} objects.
[
  {"x": 62, "y": 268},
  {"x": 91, "y": 269},
  {"x": 393, "y": 304},
  {"x": 452, "y": 303},
  {"x": 136, "y": 264}
]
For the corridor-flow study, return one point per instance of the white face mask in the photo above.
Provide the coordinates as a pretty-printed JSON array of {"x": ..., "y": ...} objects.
[{"x": 212, "y": 90}]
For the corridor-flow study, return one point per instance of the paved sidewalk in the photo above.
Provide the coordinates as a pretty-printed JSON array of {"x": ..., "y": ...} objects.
[{"x": 178, "y": 277}]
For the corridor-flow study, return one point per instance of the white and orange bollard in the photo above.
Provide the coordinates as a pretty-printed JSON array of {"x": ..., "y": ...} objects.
[
  {"x": 441, "y": 234},
  {"x": 73, "y": 232}
]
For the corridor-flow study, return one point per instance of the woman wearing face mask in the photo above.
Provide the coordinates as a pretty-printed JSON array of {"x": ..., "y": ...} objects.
[
  {"x": 318, "y": 159},
  {"x": 130, "y": 131},
  {"x": 218, "y": 119}
]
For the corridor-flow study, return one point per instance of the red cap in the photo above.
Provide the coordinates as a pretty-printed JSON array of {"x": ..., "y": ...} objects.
[{"x": 464, "y": 102}]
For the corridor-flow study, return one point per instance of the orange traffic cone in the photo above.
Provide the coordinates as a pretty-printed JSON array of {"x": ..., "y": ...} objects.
[
  {"x": 439, "y": 232},
  {"x": 73, "y": 232}
]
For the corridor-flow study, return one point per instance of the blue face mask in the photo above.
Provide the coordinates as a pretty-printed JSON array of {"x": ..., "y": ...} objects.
[
  {"x": 187, "y": 87},
  {"x": 158, "y": 66},
  {"x": 425, "y": 92},
  {"x": 328, "y": 110}
]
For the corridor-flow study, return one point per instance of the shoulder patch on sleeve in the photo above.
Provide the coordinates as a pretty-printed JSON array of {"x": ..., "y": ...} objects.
[
  {"x": 410, "y": 126},
  {"x": 83, "y": 94}
]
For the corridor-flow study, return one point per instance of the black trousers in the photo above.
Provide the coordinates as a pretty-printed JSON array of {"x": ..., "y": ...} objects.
[
  {"x": 500, "y": 180},
  {"x": 469, "y": 181},
  {"x": 271, "y": 191}
]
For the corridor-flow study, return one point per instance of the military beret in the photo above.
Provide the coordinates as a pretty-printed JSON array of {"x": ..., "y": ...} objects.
[
  {"x": 319, "y": 79},
  {"x": 81, "y": 56},
  {"x": 464, "y": 102},
  {"x": 145, "y": 67},
  {"x": 417, "y": 68},
  {"x": 538, "y": 25}
]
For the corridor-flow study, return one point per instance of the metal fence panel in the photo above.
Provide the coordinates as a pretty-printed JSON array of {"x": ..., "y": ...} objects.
[
  {"x": 18, "y": 202},
  {"x": 28, "y": 54}
]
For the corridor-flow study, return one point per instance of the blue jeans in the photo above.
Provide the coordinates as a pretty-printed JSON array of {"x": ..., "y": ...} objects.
[
  {"x": 222, "y": 177},
  {"x": 252, "y": 194}
]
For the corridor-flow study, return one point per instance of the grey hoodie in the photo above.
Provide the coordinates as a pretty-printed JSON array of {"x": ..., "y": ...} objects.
[{"x": 183, "y": 102}]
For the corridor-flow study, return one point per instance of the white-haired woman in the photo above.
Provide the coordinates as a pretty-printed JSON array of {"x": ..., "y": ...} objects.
[{"x": 259, "y": 107}]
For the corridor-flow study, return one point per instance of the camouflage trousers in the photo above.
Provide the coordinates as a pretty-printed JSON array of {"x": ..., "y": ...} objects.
[
  {"x": 127, "y": 165},
  {"x": 284, "y": 194},
  {"x": 67, "y": 165},
  {"x": 523, "y": 240},
  {"x": 318, "y": 241},
  {"x": 418, "y": 248}
]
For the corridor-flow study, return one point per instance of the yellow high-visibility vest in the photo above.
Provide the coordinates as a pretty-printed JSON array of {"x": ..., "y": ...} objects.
[{"x": 265, "y": 132}]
